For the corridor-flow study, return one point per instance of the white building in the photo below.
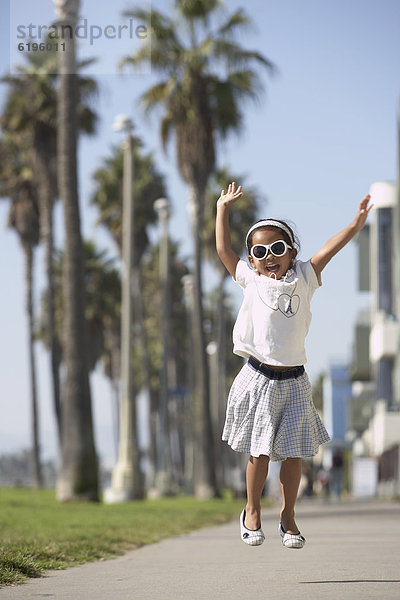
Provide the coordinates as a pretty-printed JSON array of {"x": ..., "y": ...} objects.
[{"x": 376, "y": 363}]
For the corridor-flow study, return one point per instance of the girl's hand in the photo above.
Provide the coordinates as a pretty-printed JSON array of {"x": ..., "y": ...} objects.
[
  {"x": 362, "y": 214},
  {"x": 231, "y": 196},
  {"x": 338, "y": 241}
]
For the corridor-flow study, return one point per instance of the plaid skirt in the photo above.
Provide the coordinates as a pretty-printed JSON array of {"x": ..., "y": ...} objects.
[{"x": 273, "y": 417}]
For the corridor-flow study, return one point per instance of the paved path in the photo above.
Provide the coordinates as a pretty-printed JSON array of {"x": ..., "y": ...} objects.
[{"x": 352, "y": 552}]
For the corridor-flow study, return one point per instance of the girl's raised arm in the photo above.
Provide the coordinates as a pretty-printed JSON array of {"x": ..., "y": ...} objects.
[
  {"x": 338, "y": 241},
  {"x": 222, "y": 236}
]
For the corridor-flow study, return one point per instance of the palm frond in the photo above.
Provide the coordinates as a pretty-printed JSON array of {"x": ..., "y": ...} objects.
[
  {"x": 165, "y": 59},
  {"x": 142, "y": 56},
  {"x": 146, "y": 16},
  {"x": 163, "y": 50},
  {"x": 162, "y": 28},
  {"x": 235, "y": 57},
  {"x": 236, "y": 19},
  {"x": 225, "y": 108},
  {"x": 88, "y": 88},
  {"x": 164, "y": 56},
  {"x": 87, "y": 62},
  {"x": 197, "y": 9},
  {"x": 166, "y": 128},
  {"x": 158, "y": 94},
  {"x": 245, "y": 84}
]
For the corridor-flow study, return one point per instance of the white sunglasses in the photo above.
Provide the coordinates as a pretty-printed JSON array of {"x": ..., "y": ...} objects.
[{"x": 278, "y": 248}]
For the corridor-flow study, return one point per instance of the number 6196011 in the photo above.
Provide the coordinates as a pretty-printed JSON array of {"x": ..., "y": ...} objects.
[{"x": 42, "y": 47}]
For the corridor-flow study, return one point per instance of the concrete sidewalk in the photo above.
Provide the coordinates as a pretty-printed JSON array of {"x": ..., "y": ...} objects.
[{"x": 352, "y": 552}]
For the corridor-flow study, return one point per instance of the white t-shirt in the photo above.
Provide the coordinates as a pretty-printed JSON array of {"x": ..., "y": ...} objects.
[{"x": 275, "y": 315}]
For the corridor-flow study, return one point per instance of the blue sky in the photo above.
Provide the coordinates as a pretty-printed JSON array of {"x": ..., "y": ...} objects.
[{"x": 321, "y": 134}]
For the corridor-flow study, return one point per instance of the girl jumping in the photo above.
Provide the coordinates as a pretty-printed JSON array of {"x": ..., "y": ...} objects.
[{"x": 270, "y": 413}]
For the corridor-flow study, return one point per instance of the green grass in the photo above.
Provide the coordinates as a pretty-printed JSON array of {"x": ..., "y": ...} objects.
[{"x": 38, "y": 534}]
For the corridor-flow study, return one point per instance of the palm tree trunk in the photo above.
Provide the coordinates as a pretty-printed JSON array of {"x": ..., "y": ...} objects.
[
  {"x": 44, "y": 163},
  {"x": 36, "y": 466},
  {"x": 78, "y": 476},
  {"x": 188, "y": 429},
  {"x": 54, "y": 343},
  {"x": 204, "y": 465},
  {"x": 112, "y": 343},
  {"x": 221, "y": 379},
  {"x": 396, "y": 238},
  {"x": 144, "y": 349},
  {"x": 138, "y": 317},
  {"x": 46, "y": 213}
]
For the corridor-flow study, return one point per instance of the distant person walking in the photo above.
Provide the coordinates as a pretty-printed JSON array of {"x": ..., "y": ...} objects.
[
  {"x": 336, "y": 474},
  {"x": 270, "y": 413}
]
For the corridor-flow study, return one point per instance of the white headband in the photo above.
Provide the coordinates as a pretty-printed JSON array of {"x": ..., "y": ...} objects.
[{"x": 273, "y": 224}]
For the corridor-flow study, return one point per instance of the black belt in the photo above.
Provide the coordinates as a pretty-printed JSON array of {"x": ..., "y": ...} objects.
[{"x": 275, "y": 373}]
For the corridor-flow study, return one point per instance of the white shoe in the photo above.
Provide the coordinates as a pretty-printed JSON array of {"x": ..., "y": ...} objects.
[
  {"x": 291, "y": 540},
  {"x": 252, "y": 537}
]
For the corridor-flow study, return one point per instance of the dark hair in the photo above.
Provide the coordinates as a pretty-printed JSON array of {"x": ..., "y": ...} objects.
[{"x": 295, "y": 243}]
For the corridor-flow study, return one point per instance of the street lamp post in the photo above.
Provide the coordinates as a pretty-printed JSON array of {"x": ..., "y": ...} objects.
[
  {"x": 397, "y": 260},
  {"x": 163, "y": 467},
  {"x": 188, "y": 292},
  {"x": 126, "y": 479}
]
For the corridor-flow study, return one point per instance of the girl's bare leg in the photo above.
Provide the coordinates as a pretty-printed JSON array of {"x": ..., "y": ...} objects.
[
  {"x": 290, "y": 480},
  {"x": 256, "y": 474}
]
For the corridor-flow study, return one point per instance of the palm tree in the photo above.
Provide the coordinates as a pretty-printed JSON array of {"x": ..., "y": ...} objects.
[
  {"x": 16, "y": 183},
  {"x": 103, "y": 318},
  {"x": 31, "y": 109},
  {"x": 240, "y": 219},
  {"x": 102, "y": 310},
  {"x": 178, "y": 349},
  {"x": 78, "y": 476},
  {"x": 102, "y": 285},
  {"x": 148, "y": 185},
  {"x": 205, "y": 79}
]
